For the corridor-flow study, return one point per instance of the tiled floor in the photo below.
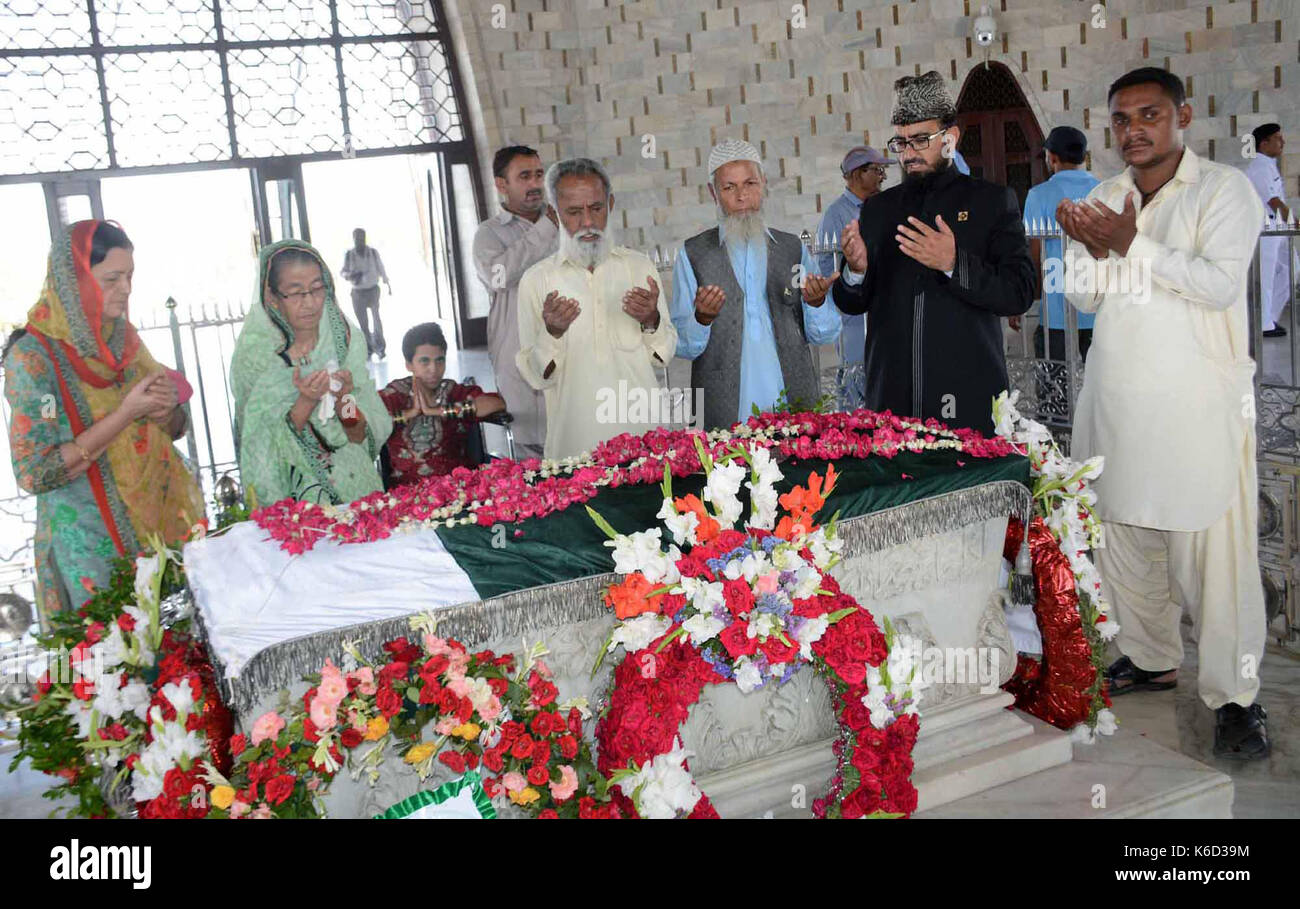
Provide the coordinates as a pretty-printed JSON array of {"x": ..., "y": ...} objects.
[{"x": 1179, "y": 720}]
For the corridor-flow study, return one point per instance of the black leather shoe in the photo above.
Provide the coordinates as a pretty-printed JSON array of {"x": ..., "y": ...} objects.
[
  {"x": 1278, "y": 332},
  {"x": 1123, "y": 677},
  {"x": 1240, "y": 733}
]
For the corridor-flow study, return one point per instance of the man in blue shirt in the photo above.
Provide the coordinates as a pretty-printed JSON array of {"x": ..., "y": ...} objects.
[
  {"x": 747, "y": 300},
  {"x": 864, "y": 174},
  {"x": 1065, "y": 149}
]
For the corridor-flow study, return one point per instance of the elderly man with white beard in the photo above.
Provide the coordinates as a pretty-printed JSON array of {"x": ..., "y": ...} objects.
[
  {"x": 741, "y": 311},
  {"x": 592, "y": 323}
]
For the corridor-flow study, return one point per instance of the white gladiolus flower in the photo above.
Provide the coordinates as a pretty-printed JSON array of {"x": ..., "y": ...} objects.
[
  {"x": 681, "y": 526},
  {"x": 720, "y": 490},
  {"x": 637, "y": 633},
  {"x": 668, "y": 787},
  {"x": 810, "y": 633},
  {"x": 1083, "y": 734},
  {"x": 748, "y": 677},
  {"x": 80, "y": 713},
  {"x": 640, "y": 552},
  {"x": 763, "y": 625},
  {"x": 763, "y": 495},
  {"x": 1108, "y": 629},
  {"x": 874, "y": 699},
  {"x": 1106, "y": 722},
  {"x": 181, "y": 696},
  {"x": 146, "y": 567},
  {"x": 703, "y": 627}
]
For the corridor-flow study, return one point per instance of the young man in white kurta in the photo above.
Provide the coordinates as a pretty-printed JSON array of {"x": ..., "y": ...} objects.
[{"x": 1167, "y": 399}]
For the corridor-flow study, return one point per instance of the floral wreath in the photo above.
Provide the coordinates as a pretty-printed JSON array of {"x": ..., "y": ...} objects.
[
  {"x": 752, "y": 606},
  {"x": 1067, "y": 686}
]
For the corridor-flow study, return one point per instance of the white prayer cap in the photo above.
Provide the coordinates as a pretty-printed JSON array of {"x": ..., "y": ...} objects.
[{"x": 729, "y": 150}]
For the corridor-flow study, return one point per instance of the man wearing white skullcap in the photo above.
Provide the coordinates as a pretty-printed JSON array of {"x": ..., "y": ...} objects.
[{"x": 742, "y": 313}]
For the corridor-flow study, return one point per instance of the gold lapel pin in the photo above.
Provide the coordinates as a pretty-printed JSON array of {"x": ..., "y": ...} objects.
[{"x": 963, "y": 215}]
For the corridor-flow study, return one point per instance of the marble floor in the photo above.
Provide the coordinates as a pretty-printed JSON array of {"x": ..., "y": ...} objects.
[{"x": 1180, "y": 721}]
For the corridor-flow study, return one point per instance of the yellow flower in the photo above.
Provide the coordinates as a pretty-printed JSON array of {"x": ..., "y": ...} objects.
[
  {"x": 420, "y": 752},
  {"x": 467, "y": 731},
  {"x": 376, "y": 729},
  {"x": 525, "y": 796},
  {"x": 222, "y": 796}
]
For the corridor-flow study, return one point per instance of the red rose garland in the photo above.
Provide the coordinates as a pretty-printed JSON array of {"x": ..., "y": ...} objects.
[{"x": 1059, "y": 689}]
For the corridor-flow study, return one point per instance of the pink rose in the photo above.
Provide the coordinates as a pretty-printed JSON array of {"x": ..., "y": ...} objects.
[
  {"x": 445, "y": 726},
  {"x": 238, "y": 809},
  {"x": 434, "y": 645},
  {"x": 261, "y": 813},
  {"x": 567, "y": 785},
  {"x": 267, "y": 728},
  {"x": 365, "y": 676},
  {"x": 514, "y": 782},
  {"x": 767, "y": 583},
  {"x": 323, "y": 715},
  {"x": 460, "y": 686},
  {"x": 332, "y": 690}
]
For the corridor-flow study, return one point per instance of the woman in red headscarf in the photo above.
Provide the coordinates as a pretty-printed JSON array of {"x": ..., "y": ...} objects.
[{"x": 92, "y": 420}]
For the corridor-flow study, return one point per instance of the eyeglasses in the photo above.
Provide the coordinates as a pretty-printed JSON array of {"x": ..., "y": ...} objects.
[
  {"x": 877, "y": 170},
  {"x": 316, "y": 291},
  {"x": 916, "y": 143}
]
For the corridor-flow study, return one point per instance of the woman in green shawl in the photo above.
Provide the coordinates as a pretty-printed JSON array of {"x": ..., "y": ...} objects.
[{"x": 308, "y": 421}]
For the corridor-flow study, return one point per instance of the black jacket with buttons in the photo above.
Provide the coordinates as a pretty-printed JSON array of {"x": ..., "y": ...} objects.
[{"x": 934, "y": 344}]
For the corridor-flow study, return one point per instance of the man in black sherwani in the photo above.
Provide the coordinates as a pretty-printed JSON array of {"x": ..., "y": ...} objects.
[{"x": 935, "y": 262}]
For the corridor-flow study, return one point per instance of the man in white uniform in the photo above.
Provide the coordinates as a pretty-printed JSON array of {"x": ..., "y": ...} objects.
[
  {"x": 1274, "y": 270},
  {"x": 525, "y": 232},
  {"x": 592, "y": 323},
  {"x": 1167, "y": 400}
]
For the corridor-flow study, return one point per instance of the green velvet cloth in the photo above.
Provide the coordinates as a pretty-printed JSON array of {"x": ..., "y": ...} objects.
[{"x": 568, "y": 545}]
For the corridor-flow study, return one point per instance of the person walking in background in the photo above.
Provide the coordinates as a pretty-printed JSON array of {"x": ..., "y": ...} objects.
[
  {"x": 864, "y": 175},
  {"x": 524, "y": 232},
  {"x": 363, "y": 268}
]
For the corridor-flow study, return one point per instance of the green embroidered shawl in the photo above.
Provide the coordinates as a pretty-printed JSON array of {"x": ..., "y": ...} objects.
[{"x": 276, "y": 460}]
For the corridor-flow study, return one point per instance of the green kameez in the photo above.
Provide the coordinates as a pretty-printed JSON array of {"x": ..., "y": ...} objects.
[{"x": 318, "y": 463}]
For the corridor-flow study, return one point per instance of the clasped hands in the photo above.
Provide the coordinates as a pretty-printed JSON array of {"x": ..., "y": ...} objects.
[
  {"x": 1097, "y": 226},
  {"x": 315, "y": 385},
  {"x": 153, "y": 398}
]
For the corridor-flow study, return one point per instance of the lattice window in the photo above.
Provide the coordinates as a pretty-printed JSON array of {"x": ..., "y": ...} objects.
[
  {"x": 1013, "y": 138},
  {"x": 300, "y": 77},
  {"x": 990, "y": 88}
]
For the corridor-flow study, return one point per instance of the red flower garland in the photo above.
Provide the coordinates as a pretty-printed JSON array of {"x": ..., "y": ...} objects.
[
  {"x": 505, "y": 491},
  {"x": 1057, "y": 690},
  {"x": 654, "y": 690}
]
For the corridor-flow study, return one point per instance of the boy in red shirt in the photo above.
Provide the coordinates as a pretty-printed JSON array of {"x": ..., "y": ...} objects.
[{"x": 432, "y": 415}]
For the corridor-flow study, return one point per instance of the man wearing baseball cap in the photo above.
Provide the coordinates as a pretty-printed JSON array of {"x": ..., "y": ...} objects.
[
  {"x": 1065, "y": 149},
  {"x": 863, "y": 169}
]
